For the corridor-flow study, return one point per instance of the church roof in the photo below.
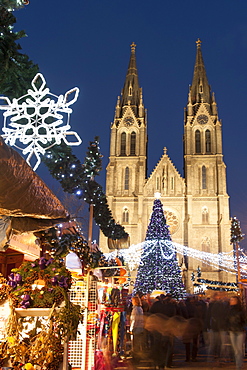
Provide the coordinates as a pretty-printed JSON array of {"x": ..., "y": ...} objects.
[{"x": 200, "y": 89}]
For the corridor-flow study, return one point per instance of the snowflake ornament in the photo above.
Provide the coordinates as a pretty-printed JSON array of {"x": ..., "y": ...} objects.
[{"x": 36, "y": 120}]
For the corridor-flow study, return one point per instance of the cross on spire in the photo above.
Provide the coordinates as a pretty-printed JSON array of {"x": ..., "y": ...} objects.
[
  {"x": 133, "y": 47},
  {"x": 198, "y": 43}
]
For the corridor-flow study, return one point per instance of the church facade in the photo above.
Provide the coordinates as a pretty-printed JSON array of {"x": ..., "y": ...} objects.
[{"x": 196, "y": 204}]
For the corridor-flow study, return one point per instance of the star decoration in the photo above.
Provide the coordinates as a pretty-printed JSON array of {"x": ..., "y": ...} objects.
[{"x": 36, "y": 120}]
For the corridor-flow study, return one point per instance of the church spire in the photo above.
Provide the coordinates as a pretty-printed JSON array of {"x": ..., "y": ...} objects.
[
  {"x": 131, "y": 90},
  {"x": 200, "y": 89}
]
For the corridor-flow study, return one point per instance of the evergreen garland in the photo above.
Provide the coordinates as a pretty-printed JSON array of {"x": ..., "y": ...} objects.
[
  {"x": 17, "y": 71},
  {"x": 13, "y": 4},
  {"x": 78, "y": 179}
]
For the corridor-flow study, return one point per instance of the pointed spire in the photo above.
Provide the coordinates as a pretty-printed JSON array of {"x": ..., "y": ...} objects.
[
  {"x": 200, "y": 89},
  {"x": 131, "y": 89}
]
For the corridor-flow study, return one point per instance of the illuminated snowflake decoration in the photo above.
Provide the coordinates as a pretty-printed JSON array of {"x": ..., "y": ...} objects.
[{"x": 36, "y": 120}]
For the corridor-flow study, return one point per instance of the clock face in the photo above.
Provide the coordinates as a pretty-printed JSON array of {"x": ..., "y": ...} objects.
[
  {"x": 129, "y": 121},
  {"x": 202, "y": 119}
]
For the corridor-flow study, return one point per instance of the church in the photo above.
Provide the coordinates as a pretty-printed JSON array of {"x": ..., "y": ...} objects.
[{"x": 196, "y": 203}]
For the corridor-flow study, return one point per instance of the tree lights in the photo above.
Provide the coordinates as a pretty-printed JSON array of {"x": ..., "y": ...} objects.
[{"x": 158, "y": 268}]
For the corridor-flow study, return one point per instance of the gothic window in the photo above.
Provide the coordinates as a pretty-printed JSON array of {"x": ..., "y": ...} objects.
[
  {"x": 208, "y": 141},
  {"x": 204, "y": 177},
  {"x": 123, "y": 144},
  {"x": 198, "y": 141},
  {"x": 125, "y": 219},
  {"x": 205, "y": 215},
  {"x": 126, "y": 178},
  {"x": 172, "y": 183},
  {"x": 130, "y": 90},
  {"x": 133, "y": 143},
  {"x": 157, "y": 183},
  {"x": 206, "y": 248}
]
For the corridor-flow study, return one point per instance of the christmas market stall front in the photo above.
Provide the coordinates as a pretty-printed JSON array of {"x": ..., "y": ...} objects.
[{"x": 36, "y": 316}]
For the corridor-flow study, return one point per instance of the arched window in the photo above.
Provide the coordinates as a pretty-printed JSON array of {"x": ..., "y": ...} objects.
[
  {"x": 172, "y": 183},
  {"x": 130, "y": 90},
  {"x": 206, "y": 248},
  {"x": 123, "y": 144},
  {"x": 126, "y": 178},
  {"x": 208, "y": 141},
  {"x": 204, "y": 177},
  {"x": 157, "y": 183},
  {"x": 125, "y": 219},
  {"x": 205, "y": 215},
  {"x": 198, "y": 141},
  {"x": 133, "y": 143}
]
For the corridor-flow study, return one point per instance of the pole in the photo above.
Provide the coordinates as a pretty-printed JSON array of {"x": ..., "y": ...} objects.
[
  {"x": 90, "y": 226},
  {"x": 238, "y": 271}
]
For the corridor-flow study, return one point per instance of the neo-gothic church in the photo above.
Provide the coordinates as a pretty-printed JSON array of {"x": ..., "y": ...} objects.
[{"x": 196, "y": 204}]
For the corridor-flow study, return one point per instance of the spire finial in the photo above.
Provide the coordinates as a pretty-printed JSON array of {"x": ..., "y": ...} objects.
[
  {"x": 133, "y": 47},
  {"x": 198, "y": 43}
]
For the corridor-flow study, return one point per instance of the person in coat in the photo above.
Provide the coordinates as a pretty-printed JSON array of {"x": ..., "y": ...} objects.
[
  {"x": 237, "y": 331},
  {"x": 137, "y": 328}
]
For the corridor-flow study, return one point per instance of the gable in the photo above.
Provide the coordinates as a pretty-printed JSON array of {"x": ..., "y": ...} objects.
[{"x": 165, "y": 179}]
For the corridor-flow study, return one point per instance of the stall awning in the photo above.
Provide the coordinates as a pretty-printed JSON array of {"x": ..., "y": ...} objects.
[{"x": 26, "y": 203}]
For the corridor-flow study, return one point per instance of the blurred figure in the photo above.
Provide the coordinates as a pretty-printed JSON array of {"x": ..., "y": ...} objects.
[
  {"x": 191, "y": 337},
  {"x": 162, "y": 343},
  {"x": 146, "y": 304},
  {"x": 137, "y": 328},
  {"x": 236, "y": 326},
  {"x": 217, "y": 328}
]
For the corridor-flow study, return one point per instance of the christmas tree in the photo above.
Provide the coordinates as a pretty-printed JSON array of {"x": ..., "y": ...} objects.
[
  {"x": 158, "y": 269},
  {"x": 236, "y": 233}
]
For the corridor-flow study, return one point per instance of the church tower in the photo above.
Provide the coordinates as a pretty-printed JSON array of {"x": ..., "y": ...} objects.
[
  {"x": 196, "y": 205},
  {"x": 126, "y": 170},
  {"x": 207, "y": 223}
]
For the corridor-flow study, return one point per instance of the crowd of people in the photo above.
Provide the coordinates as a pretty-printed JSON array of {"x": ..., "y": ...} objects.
[{"x": 218, "y": 324}]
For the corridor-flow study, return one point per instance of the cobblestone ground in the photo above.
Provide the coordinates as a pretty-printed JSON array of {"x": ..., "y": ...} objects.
[{"x": 179, "y": 361}]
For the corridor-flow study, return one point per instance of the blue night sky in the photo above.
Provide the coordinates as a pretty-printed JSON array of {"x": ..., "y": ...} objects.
[{"x": 86, "y": 43}]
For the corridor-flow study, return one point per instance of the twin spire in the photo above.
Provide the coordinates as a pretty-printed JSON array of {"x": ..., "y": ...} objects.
[
  {"x": 131, "y": 93},
  {"x": 200, "y": 91}
]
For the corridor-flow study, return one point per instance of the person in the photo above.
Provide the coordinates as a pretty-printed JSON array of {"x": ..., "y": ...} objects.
[
  {"x": 236, "y": 326},
  {"x": 162, "y": 343},
  {"x": 217, "y": 328},
  {"x": 136, "y": 328},
  {"x": 190, "y": 338}
]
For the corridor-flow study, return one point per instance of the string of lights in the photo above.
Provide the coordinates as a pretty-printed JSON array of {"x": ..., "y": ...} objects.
[{"x": 224, "y": 260}]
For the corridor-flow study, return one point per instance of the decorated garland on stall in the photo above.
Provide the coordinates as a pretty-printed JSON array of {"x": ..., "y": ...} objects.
[
  {"x": 60, "y": 246},
  {"x": 43, "y": 283},
  {"x": 217, "y": 285},
  {"x": 78, "y": 179}
]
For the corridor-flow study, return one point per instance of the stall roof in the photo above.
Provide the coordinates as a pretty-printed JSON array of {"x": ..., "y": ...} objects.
[{"x": 26, "y": 203}]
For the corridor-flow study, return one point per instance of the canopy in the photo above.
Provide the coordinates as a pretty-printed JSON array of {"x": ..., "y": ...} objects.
[{"x": 26, "y": 203}]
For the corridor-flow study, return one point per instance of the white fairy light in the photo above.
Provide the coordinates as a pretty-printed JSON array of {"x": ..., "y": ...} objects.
[
  {"x": 224, "y": 260},
  {"x": 157, "y": 195},
  {"x": 35, "y": 120}
]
